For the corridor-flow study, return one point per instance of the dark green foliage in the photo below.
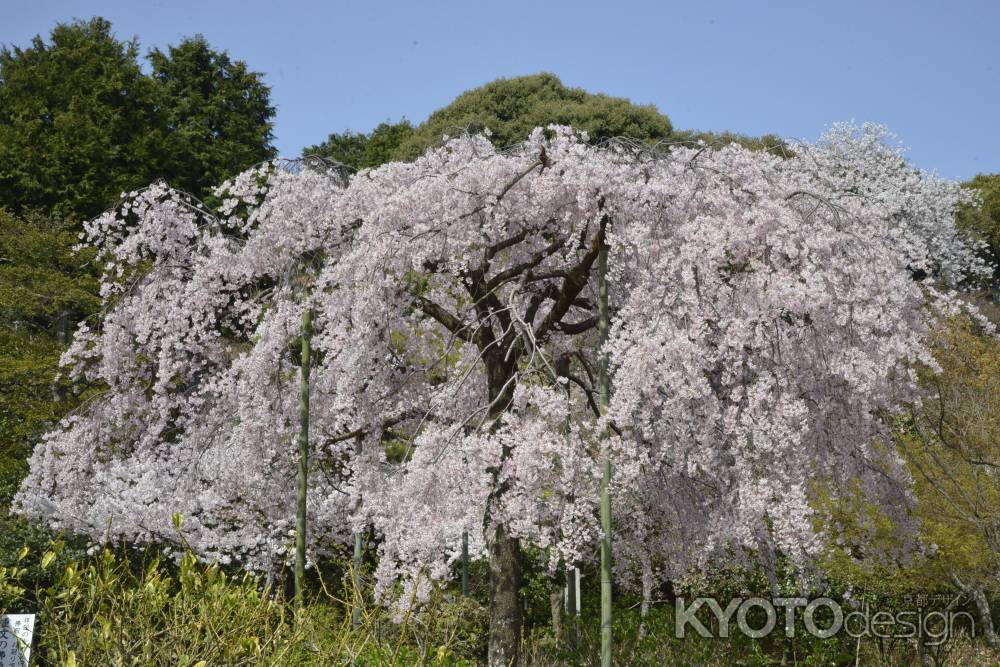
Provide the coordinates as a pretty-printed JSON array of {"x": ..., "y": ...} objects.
[
  {"x": 74, "y": 121},
  {"x": 771, "y": 143},
  {"x": 512, "y": 108},
  {"x": 45, "y": 289},
  {"x": 42, "y": 278},
  {"x": 27, "y": 371},
  {"x": 80, "y": 122},
  {"x": 217, "y": 115},
  {"x": 361, "y": 151}
]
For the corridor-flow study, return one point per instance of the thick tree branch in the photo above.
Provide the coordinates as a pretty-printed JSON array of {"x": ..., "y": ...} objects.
[
  {"x": 446, "y": 319},
  {"x": 517, "y": 270},
  {"x": 362, "y": 432},
  {"x": 508, "y": 242},
  {"x": 573, "y": 284},
  {"x": 573, "y": 328}
]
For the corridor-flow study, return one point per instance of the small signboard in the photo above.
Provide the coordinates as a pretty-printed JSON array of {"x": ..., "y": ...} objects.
[{"x": 15, "y": 639}]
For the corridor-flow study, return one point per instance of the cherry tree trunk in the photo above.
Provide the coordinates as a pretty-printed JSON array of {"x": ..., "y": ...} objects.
[
  {"x": 505, "y": 604},
  {"x": 504, "y": 550}
]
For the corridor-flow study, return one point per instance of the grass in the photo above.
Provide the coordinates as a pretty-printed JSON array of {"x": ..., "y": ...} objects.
[{"x": 121, "y": 608}]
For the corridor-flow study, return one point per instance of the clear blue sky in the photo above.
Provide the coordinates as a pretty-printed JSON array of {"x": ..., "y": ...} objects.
[{"x": 928, "y": 70}]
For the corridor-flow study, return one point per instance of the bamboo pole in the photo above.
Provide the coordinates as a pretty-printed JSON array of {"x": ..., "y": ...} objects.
[
  {"x": 300, "y": 510},
  {"x": 603, "y": 324},
  {"x": 359, "y": 545},
  {"x": 465, "y": 563}
]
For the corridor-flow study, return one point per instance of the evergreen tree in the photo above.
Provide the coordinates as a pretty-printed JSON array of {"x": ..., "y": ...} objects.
[
  {"x": 216, "y": 114},
  {"x": 75, "y": 120},
  {"x": 80, "y": 122}
]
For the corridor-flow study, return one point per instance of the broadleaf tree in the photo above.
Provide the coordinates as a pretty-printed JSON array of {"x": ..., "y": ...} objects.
[
  {"x": 511, "y": 108},
  {"x": 358, "y": 150},
  {"x": 982, "y": 220}
]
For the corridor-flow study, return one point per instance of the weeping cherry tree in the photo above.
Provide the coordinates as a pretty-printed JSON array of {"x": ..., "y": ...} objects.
[{"x": 765, "y": 314}]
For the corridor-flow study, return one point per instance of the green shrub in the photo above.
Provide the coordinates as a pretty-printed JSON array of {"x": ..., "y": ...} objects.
[
  {"x": 101, "y": 611},
  {"x": 115, "y": 609}
]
